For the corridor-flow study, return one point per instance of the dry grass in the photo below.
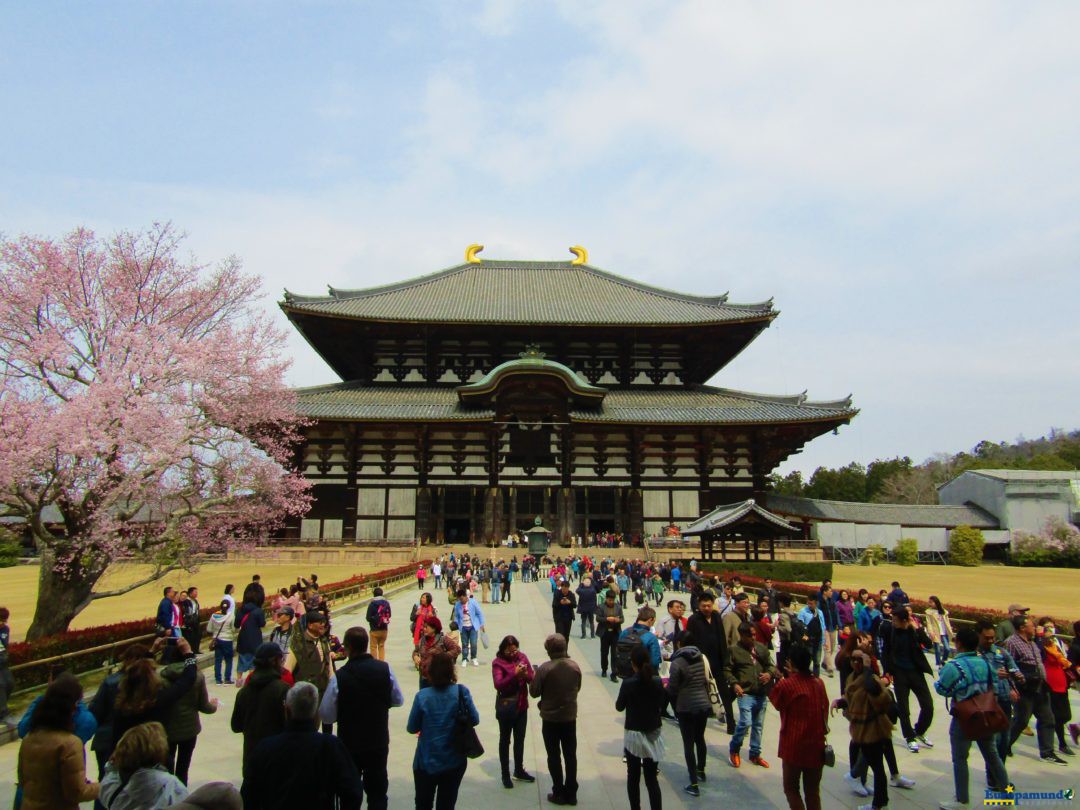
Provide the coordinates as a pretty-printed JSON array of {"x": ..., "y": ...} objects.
[
  {"x": 18, "y": 588},
  {"x": 1047, "y": 591}
]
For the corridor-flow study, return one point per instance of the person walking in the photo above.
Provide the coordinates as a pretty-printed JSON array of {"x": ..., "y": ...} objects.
[
  {"x": 750, "y": 675},
  {"x": 421, "y": 576},
  {"x": 940, "y": 631},
  {"x": 803, "y": 706},
  {"x": 470, "y": 621},
  {"x": 512, "y": 673},
  {"x": 688, "y": 692},
  {"x": 438, "y": 767},
  {"x": 169, "y": 621},
  {"x": 1006, "y": 627},
  {"x": 182, "y": 724},
  {"x": 51, "y": 770},
  {"x": 259, "y": 709},
  {"x": 249, "y": 622},
  {"x": 496, "y": 584},
  {"x": 359, "y": 698},
  {"x": 903, "y": 660},
  {"x": 643, "y": 699},
  {"x": 300, "y": 767},
  {"x": 432, "y": 642},
  {"x": 378, "y": 619},
  {"x": 827, "y": 606},
  {"x": 222, "y": 633},
  {"x": 609, "y": 615},
  {"x": 7, "y": 682},
  {"x": 586, "y": 606},
  {"x": 563, "y": 605},
  {"x": 420, "y": 612},
  {"x": 436, "y": 572},
  {"x": 1008, "y": 675},
  {"x": 1034, "y": 695},
  {"x": 1058, "y": 669},
  {"x": 706, "y": 626},
  {"x": 962, "y": 678},
  {"x": 557, "y": 683},
  {"x": 866, "y": 702},
  {"x": 137, "y": 776},
  {"x": 639, "y": 634}
]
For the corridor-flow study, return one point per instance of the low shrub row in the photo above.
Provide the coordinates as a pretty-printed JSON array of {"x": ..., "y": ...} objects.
[
  {"x": 787, "y": 570},
  {"x": 74, "y": 641}
]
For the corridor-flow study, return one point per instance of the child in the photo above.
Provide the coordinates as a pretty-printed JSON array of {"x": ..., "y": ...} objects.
[{"x": 454, "y": 634}]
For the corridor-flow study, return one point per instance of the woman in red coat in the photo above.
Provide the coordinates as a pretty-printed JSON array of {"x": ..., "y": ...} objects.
[{"x": 804, "y": 711}]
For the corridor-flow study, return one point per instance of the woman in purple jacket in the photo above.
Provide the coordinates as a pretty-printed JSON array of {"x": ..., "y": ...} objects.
[{"x": 512, "y": 673}]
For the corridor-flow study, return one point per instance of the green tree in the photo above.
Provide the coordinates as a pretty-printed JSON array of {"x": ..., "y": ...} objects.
[
  {"x": 879, "y": 471},
  {"x": 907, "y": 551},
  {"x": 842, "y": 484},
  {"x": 790, "y": 484},
  {"x": 966, "y": 546}
]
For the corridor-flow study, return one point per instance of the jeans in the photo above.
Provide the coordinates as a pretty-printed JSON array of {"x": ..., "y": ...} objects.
[
  {"x": 751, "y": 716},
  {"x": 811, "y": 787},
  {"x": 817, "y": 650},
  {"x": 676, "y": 586},
  {"x": 692, "y": 728},
  {"x": 634, "y": 767},
  {"x": 179, "y": 762},
  {"x": 371, "y": 765},
  {"x": 468, "y": 642},
  {"x": 1001, "y": 739},
  {"x": 516, "y": 728},
  {"x": 942, "y": 651},
  {"x": 906, "y": 681},
  {"x": 961, "y": 746},
  {"x": 444, "y": 783},
  {"x": 438, "y": 580},
  {"x": 1037, "y": 703},
  {"x": 588, "y": 620},
  {"x": 561, "y": 736},
  {"x": 223, "y": 653},
  {"x": 496, "y": 592},
  {"x": 245, "y": 662}
]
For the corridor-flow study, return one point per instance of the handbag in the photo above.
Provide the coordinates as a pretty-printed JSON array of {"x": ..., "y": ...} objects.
[
  {"x": 710, "y": 683},
  {"x": 829, "y": 756},
  {"x": 465, "y": 740},
  {"x": 980, "y": 716},
  {"x": 506, "y": 707}
]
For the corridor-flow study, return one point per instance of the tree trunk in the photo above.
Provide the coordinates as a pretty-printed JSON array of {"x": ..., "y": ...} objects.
[{"x": 60, "y": 597}]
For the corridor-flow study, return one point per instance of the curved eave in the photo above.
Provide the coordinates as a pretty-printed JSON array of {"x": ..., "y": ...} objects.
[{"x": 487, "y": 384}]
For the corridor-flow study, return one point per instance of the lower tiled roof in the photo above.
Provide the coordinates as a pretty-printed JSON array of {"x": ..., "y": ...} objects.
[
  {"x": 902, "y": 514},
  {"x": 702, "y": 405}
]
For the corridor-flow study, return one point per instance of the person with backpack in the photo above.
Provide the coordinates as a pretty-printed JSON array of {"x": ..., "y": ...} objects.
[
  {"x": 707, "y": 628},
  {"x": 378, "y": 619},
  {"x": 639, "y": 634},
  {"x": 643, "y": 699},
  {"x": 961, "y": 679}
]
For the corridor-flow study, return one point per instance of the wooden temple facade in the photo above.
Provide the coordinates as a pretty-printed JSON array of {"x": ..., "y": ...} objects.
[{"x": 483, "y": 396}]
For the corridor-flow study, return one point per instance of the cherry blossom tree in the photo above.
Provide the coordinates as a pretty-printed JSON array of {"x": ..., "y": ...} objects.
[{"x": 143, "y": 410}]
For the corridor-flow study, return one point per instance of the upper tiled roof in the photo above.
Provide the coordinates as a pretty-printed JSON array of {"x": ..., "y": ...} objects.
[
  {"x": 902, "y": 514},
  {"x": 703, "y": 405},
  {"x": 728, "y": 514},
  {"x": 497, "y": 291}
]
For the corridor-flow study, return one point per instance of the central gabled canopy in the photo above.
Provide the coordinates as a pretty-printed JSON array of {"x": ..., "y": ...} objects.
[{"x": 531, "y": 363}]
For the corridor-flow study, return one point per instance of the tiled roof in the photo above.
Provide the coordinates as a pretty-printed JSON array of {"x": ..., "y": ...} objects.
[
  {"x": 728, "y": 514},
  {"x": 497, "y": 291},
  {"x": 1029, "y": 475},
  {"x": 914, "y": 515},
  {"x": 703, "y": 405}
]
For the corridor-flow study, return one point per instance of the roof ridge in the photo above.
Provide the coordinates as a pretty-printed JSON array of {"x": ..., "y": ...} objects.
[{"x": 781, "y": 399}]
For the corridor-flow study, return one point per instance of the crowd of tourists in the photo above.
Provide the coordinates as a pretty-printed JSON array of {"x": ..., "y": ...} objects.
[{"x": 312, "y": 713}]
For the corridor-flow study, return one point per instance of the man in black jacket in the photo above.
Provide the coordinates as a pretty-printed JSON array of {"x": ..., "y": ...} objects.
[
  {"x": 259, "y": 710},
  {"x": 903, "y": 659},
  {"x": 563, "y": 605},
  {"x": 301, "y": 767},
  {"x": 708, "y": 630},
  {"x": 358, "y": 699}
]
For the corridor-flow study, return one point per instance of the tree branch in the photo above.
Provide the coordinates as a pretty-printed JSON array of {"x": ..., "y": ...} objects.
[{"x": 158, "y": 572}]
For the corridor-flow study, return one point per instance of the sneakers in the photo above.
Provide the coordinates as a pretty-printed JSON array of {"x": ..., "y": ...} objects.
[
  {"x": 475, "y": 662},
  {"x": 692, "y": 790},
  {"x": 614, "y": 678},
  {"x": 899, "y": 781},
  {"x": 913, "y": 746},
  {"x": 761, "y": 763},
  {"x": 735, "y": 760},
  {"x": 923, "y": 741},
  {"x": 701, "y": 776},
  {"x": 507, "y": 781},
  {"x": 603, "y": 673},
  {"x": 1054, "y": 759},
  {"x": 524, "y": 776},
  {"x": 856, "y": 787},
  {"x": 953, "y": 805},
  {"x": 1074, "y": 732},
  {"x": 1027, "y": 732},
  {"x": 1064, "y": 749}
]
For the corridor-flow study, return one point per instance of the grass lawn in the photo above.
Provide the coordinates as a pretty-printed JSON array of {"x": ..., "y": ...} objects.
[
  {"x": 1047, "y": 591},
  {"x": 18, "y": 588}
]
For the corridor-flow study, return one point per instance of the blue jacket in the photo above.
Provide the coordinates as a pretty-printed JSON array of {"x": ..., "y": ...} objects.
[
  {"x": 649, "y": 639},
  {"x": 865, "y": 619},
  {"x": 434, "y": 711},
  {"x": 474, "y": 611},
  {"x": 165, "y": 612},
  {"x": 85, "y": 722}
]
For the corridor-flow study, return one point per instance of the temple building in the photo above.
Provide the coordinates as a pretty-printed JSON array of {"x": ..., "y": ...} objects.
[{"x": 480, "y": 397}]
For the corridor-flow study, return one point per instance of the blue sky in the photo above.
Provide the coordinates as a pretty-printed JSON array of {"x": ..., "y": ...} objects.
[{"x": 904, "y": 179}]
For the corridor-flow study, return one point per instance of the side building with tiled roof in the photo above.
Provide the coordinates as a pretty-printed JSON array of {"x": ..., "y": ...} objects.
[{"x": 480, "y": 397}]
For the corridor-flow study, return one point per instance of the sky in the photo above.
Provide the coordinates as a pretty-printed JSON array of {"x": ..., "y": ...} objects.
[{"x": 902, "y": 178}]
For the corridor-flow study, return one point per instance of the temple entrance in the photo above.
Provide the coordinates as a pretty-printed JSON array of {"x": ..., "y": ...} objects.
[
  {"x": 459, "y": 509},
  {"x": 596, "y": 509},
  {"x": 457, "y": 530}
]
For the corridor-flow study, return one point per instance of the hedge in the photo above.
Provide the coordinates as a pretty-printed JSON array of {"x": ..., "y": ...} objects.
[
  {"x": 23, "y": 652},
  {"x": 788, "y": 570}
]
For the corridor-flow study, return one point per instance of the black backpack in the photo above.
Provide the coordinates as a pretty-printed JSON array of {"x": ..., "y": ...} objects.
[{"x": 623, "y": 647}]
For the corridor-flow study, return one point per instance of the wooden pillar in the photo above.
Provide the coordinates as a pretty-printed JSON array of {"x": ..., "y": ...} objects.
[
  {"x": 635, "y": 511},
  {"x": 440, "y": 515},
  {"x": 772, "y": 548},
  {"x": 473, "y": 533},
  {"x": 352, "y": 493},
  {"x": 424, "y": 529},
  {"x": 513, "y": 527}
]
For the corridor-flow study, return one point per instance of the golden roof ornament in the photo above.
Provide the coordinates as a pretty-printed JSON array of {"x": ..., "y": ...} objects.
[
  {"x": 581, "y": 255},
  {"x": 471, "y": 251}
]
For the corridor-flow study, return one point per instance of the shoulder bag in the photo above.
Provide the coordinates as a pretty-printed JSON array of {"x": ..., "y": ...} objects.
[{"x": 465, "y": 739}]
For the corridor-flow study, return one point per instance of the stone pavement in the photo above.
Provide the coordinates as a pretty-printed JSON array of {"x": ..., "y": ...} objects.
[{"x": 601, "y": 773}]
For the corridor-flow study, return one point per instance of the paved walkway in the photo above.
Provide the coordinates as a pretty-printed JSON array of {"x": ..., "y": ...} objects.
[{"x": 601, "y": 772}]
